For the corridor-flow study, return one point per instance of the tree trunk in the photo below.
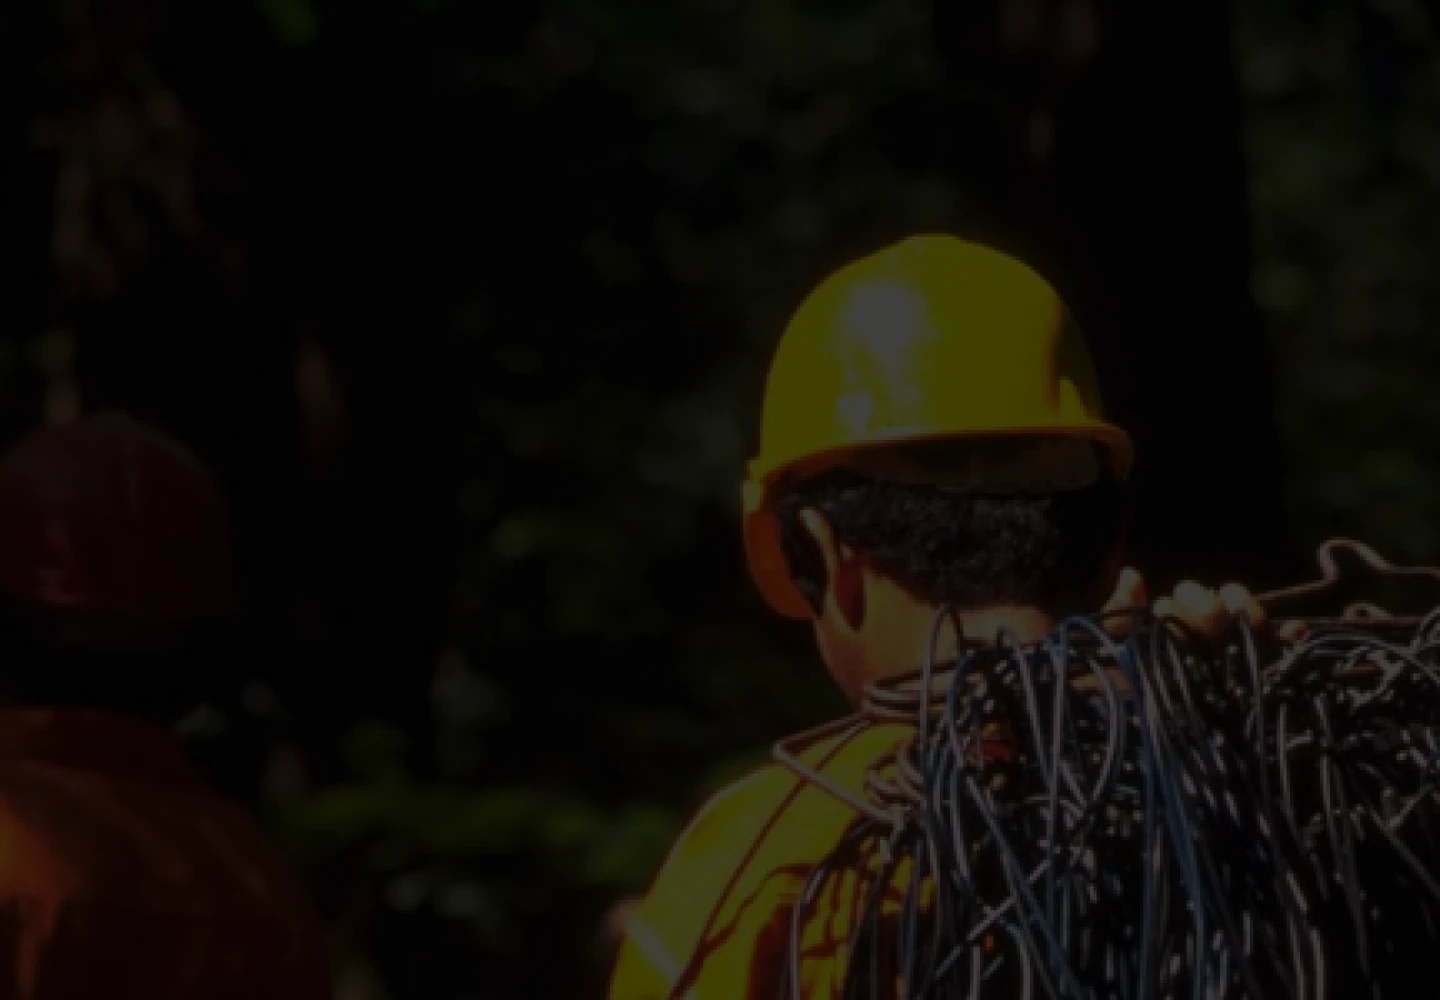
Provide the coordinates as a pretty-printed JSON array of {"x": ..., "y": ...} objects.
[{"x": 1124, "y": 125}]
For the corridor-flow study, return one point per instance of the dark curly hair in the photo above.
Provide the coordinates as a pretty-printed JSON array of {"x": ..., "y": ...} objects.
[{"x": 970, "y": 547}]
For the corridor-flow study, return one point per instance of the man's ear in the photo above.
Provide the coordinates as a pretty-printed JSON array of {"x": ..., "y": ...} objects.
[{"x": 844, "y": 581}]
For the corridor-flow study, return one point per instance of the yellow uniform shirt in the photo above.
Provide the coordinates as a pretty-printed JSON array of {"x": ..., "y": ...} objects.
[{"x": 716, "y": 922}]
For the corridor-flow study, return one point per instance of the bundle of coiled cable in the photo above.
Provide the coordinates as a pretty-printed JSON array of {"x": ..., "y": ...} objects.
[{"x": 1160, "y": 816}]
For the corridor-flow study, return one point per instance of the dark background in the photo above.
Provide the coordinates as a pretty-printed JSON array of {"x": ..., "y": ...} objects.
[{"x": 469, "y": 306}]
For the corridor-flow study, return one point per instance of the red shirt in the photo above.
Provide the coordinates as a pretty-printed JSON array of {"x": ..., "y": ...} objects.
[{"x": 122, "y": 876}]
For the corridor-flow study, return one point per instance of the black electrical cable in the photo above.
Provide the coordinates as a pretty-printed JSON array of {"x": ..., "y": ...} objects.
[{"x": 1160, "y": 817}]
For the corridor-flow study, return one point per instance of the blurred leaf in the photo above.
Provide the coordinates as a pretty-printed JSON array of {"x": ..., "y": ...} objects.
[
  {"x": 376, "y": 751},
  {"x": 295, "y": 22},
  {"x": 630, "y": 847}
]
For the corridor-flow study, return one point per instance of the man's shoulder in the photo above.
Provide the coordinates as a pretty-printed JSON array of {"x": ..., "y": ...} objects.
[
  {"x": 744, "y": 854},
  {"x": 770, "y": 820},
  {"x": 737, "y": 808}
]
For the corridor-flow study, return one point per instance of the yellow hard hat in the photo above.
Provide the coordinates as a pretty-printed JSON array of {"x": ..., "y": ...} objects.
[{"x": 931, "y": 338}]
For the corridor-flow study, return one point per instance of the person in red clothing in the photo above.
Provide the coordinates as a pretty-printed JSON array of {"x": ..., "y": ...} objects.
[{"x": 122, "y": 875}]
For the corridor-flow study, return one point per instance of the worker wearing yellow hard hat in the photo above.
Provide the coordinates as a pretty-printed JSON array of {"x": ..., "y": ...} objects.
[{"x": 932, "y": 433}]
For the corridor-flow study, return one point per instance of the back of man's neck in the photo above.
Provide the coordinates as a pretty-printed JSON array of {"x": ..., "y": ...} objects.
[
  {"x": 1023, "y": 624},
  {"x": 1027, "y": 625}
]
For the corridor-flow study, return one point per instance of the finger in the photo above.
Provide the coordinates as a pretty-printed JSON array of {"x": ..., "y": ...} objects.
[
  {"x": 1199, "y": 607},
  {"x": 1168, "y": 610},
  {"x": 1165, "y": 608},
  {"x": 1237, "y": 600},
  {"x": 1130, "y": 593}
]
